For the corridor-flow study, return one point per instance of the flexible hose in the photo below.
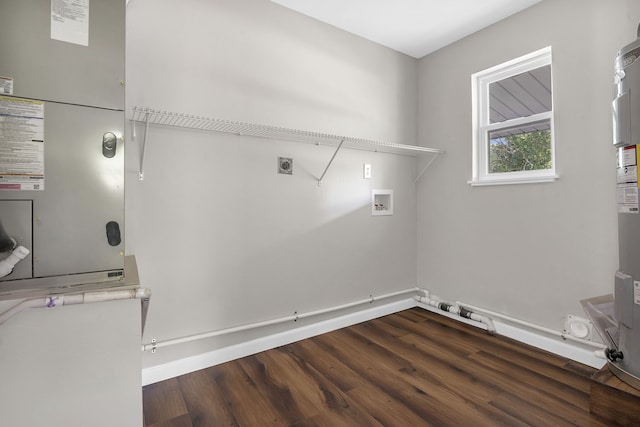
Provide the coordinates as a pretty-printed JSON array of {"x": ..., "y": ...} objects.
[
  {"x": 6, "y": 242},
  {"x": 7, "y": 264}
]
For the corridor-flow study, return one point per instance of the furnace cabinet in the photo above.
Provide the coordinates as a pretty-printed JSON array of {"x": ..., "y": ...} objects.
[{"x": 61, "y": 140}]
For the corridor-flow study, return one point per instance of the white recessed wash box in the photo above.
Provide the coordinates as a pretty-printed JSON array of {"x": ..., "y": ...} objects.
[{"x": 381, "y": 202}]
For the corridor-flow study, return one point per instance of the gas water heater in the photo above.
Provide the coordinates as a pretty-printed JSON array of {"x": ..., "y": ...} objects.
[
  {"x": 61, "y": 146},
  {"x": 624, "y": 351}
]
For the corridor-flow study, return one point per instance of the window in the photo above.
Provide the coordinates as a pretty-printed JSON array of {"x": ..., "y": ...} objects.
[{"x": 513, "y": 122}]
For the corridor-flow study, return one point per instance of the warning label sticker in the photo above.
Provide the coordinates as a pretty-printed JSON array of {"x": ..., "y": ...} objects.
[
  {"x": 627, "y": 178},
  {"x": 6, "y": 86},
  {"x": 21, "y": 144}
]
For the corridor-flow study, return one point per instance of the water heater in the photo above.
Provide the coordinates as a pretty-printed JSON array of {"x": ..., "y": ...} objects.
[
  {"x": 61, "y": 146},
  {"x": 624, "y": 353}
]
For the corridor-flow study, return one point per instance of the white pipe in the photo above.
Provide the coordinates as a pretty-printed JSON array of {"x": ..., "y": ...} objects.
[
  {"x": 600, "y": 354},
  {"x": 30, "y": 303},
  {"x": 72, "y": 299},
  {"x": 295, "y": 317},
  {"x": 7, "y": 264},
  {"x": 455, "y": 309},
  {"x": 533, "y": 326}
]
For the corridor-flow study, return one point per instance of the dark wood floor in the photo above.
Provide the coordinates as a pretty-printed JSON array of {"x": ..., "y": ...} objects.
[{"x": 413, "y": 368}]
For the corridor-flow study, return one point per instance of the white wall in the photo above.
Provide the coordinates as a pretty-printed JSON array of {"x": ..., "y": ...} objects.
[
  {"x": 529, "y": 251},
  {"x": 71, "y": 366},
  {"x": 221, "y": 238}
]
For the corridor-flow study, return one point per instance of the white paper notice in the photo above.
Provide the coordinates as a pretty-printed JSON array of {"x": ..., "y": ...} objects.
[
  {"x": 70, "y": 21},
  {"x": 628, "y": 198},
  {"x": 21, "y": 144},
  {"x": 6, "y": 86}
]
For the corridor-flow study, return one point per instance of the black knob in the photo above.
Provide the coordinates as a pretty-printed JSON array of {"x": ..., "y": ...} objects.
[
  {"x": 109, "y": 144},
  {"x": 113, "y": 233},
  {"x": 613, "y": 355}
]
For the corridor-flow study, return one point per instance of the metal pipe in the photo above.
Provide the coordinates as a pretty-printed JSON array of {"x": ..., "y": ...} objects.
[
  {"x": 144, "y": 147},
  {"x": 294, "y": 317},
  {"x": 533, "y": 326}
]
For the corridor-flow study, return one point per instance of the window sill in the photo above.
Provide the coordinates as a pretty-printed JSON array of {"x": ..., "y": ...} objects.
[{"x": 528, "y": 180}]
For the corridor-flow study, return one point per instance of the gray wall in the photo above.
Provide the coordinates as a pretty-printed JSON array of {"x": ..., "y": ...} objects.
[
  {"x": 221, "y": 238},
  {"x": 530, "y": 251},
  {"x": 71, "y": 366}
]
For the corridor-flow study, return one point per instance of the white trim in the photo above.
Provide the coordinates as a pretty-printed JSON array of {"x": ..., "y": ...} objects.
[
  {"x": 517, "y": 65},
  {"x": 549, "y": 343},
  {"x": 173, "y": 369},
  {"x": 530, "y": 180},
  {"x": 186, "y": 365},
  {"x": 481, "y": 125},
  {"x": 519, "y": 122},
  {"x": 552, "y": 344}
]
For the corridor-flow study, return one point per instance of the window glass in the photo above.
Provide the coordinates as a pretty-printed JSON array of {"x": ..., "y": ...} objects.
[
  {"x": 523, "y": 148},
  {"x": 513, "y": 122},
  {"x": 520, "y": 96}
]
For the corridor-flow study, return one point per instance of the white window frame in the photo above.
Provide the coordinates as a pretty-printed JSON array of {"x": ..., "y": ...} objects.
[{"x": 481, "y": 124}]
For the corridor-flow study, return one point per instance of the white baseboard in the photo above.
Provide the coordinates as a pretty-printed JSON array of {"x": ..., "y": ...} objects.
[
  {"x": 186, "y": 365},
  {"x": 201, "y": 361},
  {"x": 553, "y": 344}
]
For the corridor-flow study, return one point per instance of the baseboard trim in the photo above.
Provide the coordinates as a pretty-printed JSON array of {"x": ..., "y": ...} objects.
[
  {"x": 186, "y": 365},
  {"x": 552, "y": 344}
]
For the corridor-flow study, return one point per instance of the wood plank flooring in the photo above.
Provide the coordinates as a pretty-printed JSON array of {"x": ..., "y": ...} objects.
[{"x": 413, "y": 368}]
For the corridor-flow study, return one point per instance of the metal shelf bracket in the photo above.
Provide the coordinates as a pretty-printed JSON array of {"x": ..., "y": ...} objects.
[
  {"x": 330, "y": 161},
  {"x": 424, "y": 169}
]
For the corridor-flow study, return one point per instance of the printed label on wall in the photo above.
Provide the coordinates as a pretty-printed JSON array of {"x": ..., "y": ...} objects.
[
  {"x": 70, "y": 21},
  {"x": 627, "y": 178},
  {"x": 21, "y": 144},
  {"x": 6, "y": 86}
]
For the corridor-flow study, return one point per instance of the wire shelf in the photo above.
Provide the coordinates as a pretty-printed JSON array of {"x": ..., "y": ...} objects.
[
  {"x": 165, "y": 118},
  {"x": 181, "y": 120}
]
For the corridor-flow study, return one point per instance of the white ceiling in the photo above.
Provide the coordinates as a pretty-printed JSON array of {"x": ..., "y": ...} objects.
[{"x": 414, "y": 27}]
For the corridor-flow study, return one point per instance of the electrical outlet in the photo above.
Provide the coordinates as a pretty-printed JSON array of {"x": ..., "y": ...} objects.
[
  {"x": 285, "y": 165},
  {"x": 366, "y": 171}
]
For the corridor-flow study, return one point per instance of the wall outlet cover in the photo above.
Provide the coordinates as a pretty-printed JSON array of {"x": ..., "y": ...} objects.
[
  {"x": 578, "y": 327},
  {"x": 285, "y": 165},
  {"x": 366, "y": 171}
]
